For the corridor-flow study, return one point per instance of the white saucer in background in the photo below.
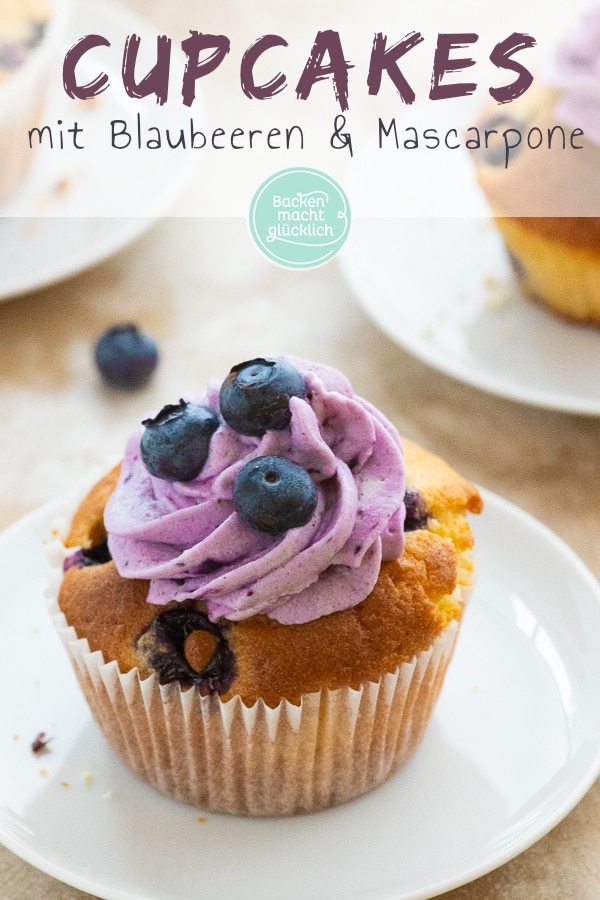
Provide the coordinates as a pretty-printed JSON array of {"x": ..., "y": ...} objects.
[
  {"x": 513, "y": 745},
  {"x": 437, "y": 279},
  {"x": 78, "y": 207},
  {"x": 442, "y": 289}
]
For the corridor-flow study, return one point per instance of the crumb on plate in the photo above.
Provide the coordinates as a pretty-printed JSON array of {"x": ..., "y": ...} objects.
[{"x": 40, "y": 743}]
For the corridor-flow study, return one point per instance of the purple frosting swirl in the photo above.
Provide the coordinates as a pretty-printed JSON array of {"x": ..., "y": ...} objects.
[
  {"x": 576, "y": 73},
  {"x": 187, "y": 539}
]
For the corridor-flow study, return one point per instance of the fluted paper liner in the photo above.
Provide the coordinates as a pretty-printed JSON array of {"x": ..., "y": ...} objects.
[{"x": 258, "y": 761}]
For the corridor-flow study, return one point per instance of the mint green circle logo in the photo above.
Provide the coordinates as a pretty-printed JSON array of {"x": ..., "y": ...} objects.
[{"x": 299, "y": 218}]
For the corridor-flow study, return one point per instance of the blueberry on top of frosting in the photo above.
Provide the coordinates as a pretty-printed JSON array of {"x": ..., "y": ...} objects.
[
  {"x": 176, "y": 442},
  {"x": 255, "y": 396},
  {"x": 190, "y": 540},
  {"x": 273, "y": 494}
]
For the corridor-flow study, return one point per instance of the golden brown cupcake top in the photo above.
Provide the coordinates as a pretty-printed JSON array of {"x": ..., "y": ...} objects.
[{"x": 413, "y": 600}]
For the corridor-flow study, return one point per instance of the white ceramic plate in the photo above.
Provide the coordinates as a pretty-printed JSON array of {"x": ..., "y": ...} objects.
[
  {"x": 78, "y": 207},
  {"x": 443, "y": 290},
  {"x": 513, "y": 745}
]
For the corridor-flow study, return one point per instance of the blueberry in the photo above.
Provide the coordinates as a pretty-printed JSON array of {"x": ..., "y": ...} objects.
[
  {"x": 88, "y": 556},
  {"x": 163, "y": 647},
  {"x": 272, "y": 494},
  {"x": 255, "y": 396},
  {"x": 176, "y": 443},
  {"x": 518, "y": 267},
  {"x": 126, "y": 357},
  {"x": 493, "y": 151},
  {"x": 416, "y": 511}
]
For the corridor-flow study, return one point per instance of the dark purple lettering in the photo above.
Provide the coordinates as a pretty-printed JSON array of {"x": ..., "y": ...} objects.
[
  {"x": 501, "y": 57},
  {"x": 442, "y": 63},
  {"x": 92, "y": 88},
  {"x": 314, "y": 70},
  {"x": 195, "y": 68},
  {"x": 387, "y": 58},
  {"x": 249, "y": 86},
  {"x": 157, "y": 79}
]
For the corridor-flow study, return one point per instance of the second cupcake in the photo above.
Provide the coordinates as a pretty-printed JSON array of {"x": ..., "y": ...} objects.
[
  {"x": 261, "y": 602},
  {"x": 546, "y": 199}
]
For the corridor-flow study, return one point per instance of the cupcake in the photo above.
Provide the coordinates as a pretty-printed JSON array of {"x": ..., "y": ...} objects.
[
  {"x": 29, "y": 33},
  {"x": 261, "y": 600},
  {"x": 546, "y": 201}
]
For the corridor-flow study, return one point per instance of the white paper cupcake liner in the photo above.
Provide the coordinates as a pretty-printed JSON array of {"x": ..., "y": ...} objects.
[{"x": 257, "y": 761}]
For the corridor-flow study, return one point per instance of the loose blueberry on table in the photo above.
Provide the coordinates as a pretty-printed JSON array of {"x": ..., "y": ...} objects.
[
  {"x": 126, "y": 356},
  {"x": 176, "y": 443}
]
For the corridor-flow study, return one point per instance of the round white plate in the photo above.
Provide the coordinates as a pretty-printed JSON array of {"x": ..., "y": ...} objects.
[
  {"x": 442, "y": 288},
  {"x": 77, "y": 207},
  {"x": 513, "y": 745}
]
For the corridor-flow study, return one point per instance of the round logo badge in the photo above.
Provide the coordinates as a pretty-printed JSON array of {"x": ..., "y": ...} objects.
[{"x": 299, "y": 218}]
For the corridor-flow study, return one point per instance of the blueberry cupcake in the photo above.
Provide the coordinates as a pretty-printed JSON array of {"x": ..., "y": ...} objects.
[
  {"x": 261, "y": 600},
  {"x": 22, "y": 27},
  {"x": 29, "y": 35},
  {"x": 546, "y": 202}
]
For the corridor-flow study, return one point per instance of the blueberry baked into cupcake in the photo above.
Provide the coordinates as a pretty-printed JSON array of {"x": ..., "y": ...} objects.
[
  {"x": 261, "y": 600},
  {"x": 546, "y": 201}
]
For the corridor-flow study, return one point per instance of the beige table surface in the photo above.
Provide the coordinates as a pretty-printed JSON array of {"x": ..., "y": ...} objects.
[{"x": 211, "y": 300}]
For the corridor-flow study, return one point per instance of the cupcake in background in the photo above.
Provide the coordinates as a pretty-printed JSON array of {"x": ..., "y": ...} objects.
[
  {"x": 30, "y": 32},
  {"x": 546, "y": 202},
  {"x": 261, "y": 601},
  {"x": 22, "y": 27}
]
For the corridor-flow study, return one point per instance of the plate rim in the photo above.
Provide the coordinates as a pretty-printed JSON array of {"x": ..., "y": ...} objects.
[
  {"x": 132, "y": 227},
  {"x": 102, "y": 250},
  {"x": 527, "y": 837},
  {"x": 440, "y": 359}
]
